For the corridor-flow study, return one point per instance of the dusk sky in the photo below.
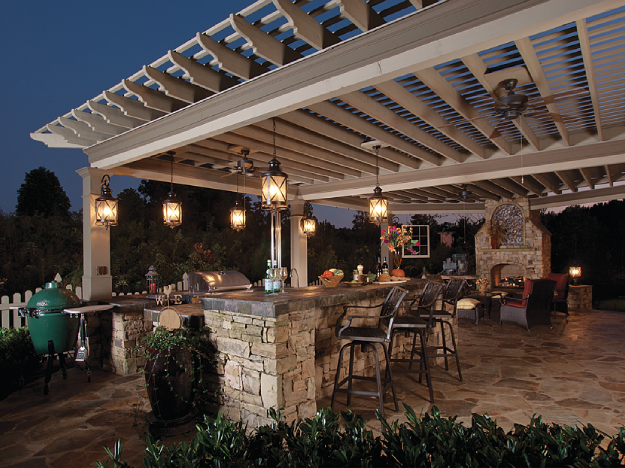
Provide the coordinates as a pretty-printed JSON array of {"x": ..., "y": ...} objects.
[{"x": 57, "y": 55}]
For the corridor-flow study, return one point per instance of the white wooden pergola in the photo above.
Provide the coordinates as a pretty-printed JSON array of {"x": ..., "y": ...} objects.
[{"x": 419, "y": 77}]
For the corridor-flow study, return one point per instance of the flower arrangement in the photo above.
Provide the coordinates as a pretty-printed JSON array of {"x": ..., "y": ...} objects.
[
  {"x": 496, "y": 231},
  {"x": 396, "y": 238},
  {"x": 481, "y": 281}
]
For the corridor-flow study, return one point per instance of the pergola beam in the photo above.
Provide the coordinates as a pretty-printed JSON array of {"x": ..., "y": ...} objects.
[
  {"x": 114, "y": 116},
  {"x": 306, "y": 27},
  {"x": 361, "y": 14},
  {"x": 201, "y": 75},
  {"x": 177, "y": 88},
  {"x": 230, "y": 60},
  {"x": 153, "y": 98},
  {"x": 133, "y": 108}
]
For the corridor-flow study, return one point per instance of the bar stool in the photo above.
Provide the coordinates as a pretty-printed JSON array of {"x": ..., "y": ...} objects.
[
  {"x": 451, "y": 294},
  {"x": 367, "y": 338},
  {"x": 413, "y": 322}
]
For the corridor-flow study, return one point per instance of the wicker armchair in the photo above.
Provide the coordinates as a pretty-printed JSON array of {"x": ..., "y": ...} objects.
[{"x": 534, "y": 308}]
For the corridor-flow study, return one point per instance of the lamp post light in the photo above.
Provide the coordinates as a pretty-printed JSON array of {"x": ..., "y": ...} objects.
[
  {"x": 106, "y": 205},
  {"x": 575, "y": 272}
]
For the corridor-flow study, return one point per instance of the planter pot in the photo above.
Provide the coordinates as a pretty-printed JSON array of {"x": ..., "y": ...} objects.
[
  {"x": 483, "y": 288},
  {"x": 169, "y": 377}
]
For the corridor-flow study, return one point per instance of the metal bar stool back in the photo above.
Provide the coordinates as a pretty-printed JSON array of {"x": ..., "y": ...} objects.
[
  {"x": 367, "y": 337},
  {"x": 417, "y": 320},
  {"x": 452, "y": 293}
]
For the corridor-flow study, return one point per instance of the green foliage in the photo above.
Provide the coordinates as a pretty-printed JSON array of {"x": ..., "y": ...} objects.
[
  {"x": 42, "y": 194},
  {"x": 18, "y": 359},
  {"x": 342, "y": 440}
]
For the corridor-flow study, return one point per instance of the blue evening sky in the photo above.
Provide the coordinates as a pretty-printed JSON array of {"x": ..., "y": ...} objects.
[{"x": 57, "y": 55}]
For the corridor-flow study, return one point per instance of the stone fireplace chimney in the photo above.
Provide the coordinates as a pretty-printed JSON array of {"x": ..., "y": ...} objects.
[{"x": 526, "y": 249}]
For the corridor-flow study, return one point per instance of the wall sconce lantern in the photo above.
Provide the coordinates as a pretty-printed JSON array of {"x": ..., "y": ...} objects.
[
  {"x": 151, "y": 281},
  {"x": 575, "y": 272},
  {"x": 309, "y": 225},
  {"x": 106, "y": 205},
  {"x": 274, "y": 182},
  {"x": 172, "y": 207},
  {"x": 378, "y": 204}
]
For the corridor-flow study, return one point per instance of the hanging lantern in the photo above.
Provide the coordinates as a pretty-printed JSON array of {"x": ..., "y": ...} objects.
[
  {"x": 237, "y": 217},
  {"x": 172, "y": 207},
  {"x": 309, "y": 225},
  {"x": 378, "y": 207},
  {"x": 106, "y": 205},
  {"x": 274, "y": 182},
  {"x": 274, "y": 187},
  {"x": 378, "y": 204},
  {"x": 151, "y": 280}
]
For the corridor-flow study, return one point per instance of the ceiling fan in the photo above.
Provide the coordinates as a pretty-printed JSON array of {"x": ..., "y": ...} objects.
[
  {"x": 511, "y": 105},
  {"x": 244, "y": 166},
  {"x": 466, "y": 195}
]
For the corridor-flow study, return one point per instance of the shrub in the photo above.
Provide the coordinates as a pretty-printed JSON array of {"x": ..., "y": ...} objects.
[
  {"x": 342, "y": 440},
  {"x": 18, "y": 359}
]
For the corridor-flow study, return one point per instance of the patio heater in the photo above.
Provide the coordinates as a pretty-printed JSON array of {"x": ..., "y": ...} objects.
[{"x": 274, "y": 198}]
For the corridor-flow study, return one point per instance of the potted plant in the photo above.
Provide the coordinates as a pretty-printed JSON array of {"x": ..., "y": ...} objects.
[
  {"x": 482, "y": 283},
  {"x": 497, "y": 234},
  {"x": 171, "y": 370},
  {"x": 397, "y": 238}
]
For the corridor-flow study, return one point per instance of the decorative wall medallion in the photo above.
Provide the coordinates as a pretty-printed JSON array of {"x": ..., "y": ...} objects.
[{"x": 510, "y": 217}]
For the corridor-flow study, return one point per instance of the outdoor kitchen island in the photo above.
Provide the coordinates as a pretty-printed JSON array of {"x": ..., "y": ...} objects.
[{"x": 280, "y": 351}]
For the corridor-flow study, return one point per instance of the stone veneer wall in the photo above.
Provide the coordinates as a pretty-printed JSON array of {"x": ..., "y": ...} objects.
[
  {"x": 534, "y": 255},
  {"x": 119, "y": 331},
  {"x": 286, "y": 363}
]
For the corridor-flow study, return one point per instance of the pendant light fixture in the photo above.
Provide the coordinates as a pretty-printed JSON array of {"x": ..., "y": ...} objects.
[
  {"x": 106, "y": 205},
  {"x": 237, "y": 214},
  {"x": 378, "y": 204},
  {"x": 274, "y": 182},
  {"x": 172, "y": 207}
]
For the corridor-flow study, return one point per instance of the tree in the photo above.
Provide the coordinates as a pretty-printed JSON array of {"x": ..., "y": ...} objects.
[{"x": 42, "y": 193}]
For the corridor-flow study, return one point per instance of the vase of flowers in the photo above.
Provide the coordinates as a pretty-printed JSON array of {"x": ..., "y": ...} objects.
[
  {"x": 397, "y": 238},
  {"x": 497, "y": 234},
  {"x": 482, "y": 283}
]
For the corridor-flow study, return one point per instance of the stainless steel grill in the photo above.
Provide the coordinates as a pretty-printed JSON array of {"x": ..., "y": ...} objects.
[{"x": 202, "y": 282}]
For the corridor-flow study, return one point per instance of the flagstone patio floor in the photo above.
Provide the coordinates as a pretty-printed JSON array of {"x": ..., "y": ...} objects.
[{"x": 571, "y": 374}]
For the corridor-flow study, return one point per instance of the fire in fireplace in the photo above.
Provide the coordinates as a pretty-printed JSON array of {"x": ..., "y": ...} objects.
[{"x": 512, "y": 282}]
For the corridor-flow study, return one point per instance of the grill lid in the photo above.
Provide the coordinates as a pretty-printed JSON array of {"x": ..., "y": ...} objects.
[
  {"x": 209, "y": 281},
  {"x": 53, "y": 299}
]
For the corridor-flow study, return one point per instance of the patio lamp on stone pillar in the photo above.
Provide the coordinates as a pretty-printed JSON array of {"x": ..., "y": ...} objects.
[
  {"x": 106, "y": 205},
  {"x": 575, "y": 272}
]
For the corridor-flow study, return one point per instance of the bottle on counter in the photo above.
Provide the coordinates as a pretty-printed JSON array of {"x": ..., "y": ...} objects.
[
  {"x": 268, "y": 282},
  {"x": 277, "y": 284},
  {"x": 385, "y": 266},
  {"x": 379, "y": 272}
]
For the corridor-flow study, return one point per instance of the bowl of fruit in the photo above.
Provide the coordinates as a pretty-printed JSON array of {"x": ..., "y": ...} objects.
[{"x": 332, "y": 277}]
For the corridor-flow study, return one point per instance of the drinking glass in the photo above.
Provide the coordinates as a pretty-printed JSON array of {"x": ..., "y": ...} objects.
[{"x": 283, "y": 272}]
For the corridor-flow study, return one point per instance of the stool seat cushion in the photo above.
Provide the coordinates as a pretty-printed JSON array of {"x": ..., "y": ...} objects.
[
  {"x": 363, "y": 334},
  {"x": 468, "y": 303}
]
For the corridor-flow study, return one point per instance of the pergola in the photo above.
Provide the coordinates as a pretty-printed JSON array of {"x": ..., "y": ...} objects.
[{"x": 420, "y": 78}]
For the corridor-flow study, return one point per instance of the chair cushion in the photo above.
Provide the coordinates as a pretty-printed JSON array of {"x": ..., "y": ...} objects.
[
  {"x": 468, "y": 303},
  {"x": 498, "y": 293},
  {"x": 521, "y": 303},
  {"x": 561, "y": 279}
]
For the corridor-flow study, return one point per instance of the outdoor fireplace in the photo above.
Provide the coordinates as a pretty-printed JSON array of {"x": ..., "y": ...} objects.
[{"x": 524, "y": 253}]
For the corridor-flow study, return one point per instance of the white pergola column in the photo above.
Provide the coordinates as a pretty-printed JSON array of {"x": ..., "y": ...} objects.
[
  {"x": 384, "y": 247},
  {"x": 299, "y": 243},
  {"x": 97, "y": 282}
]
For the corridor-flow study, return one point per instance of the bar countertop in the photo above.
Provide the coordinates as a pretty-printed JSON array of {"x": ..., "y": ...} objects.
[{"x": 256, "y": 302}]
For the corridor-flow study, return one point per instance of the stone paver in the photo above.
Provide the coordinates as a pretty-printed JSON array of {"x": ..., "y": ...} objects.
[{"x": 571, "y": 374}]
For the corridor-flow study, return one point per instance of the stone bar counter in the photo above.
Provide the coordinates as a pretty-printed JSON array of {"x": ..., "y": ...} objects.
[{"x": 280, "y": 351}]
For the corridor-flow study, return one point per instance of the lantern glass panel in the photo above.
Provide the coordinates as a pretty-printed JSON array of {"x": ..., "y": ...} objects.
[
  {"x": 378, "y": 209},
  {"x": 274, "y": 190},
  {"x": 309, "y": 226},
  {"x": 106, "y": 211},
  {"x": 237, "y": 218},
  {"x": 172, "y": 212}
]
